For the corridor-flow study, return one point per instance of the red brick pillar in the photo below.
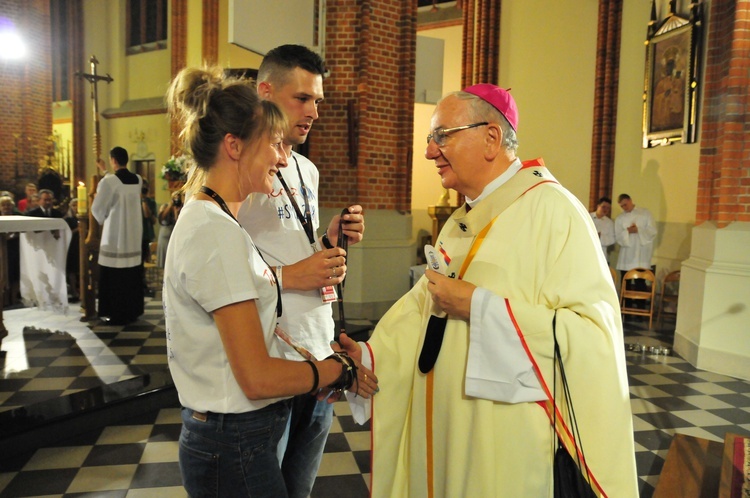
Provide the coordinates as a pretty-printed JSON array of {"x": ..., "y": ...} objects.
[
  {"x": 724, "y": 178},
  {"x": 712, "y": 310},
  {"x": 25, "y": 102},
  {"x": 362, "y": 141}
]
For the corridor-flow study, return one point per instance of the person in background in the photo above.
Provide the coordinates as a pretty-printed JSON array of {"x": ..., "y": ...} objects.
[
  {"x": 32, "y": 202},
  {"x": 168, "y": 214},
  {"x": 46, "y": 208},
  {"x": 148, "y": 208},
  {"x": 8, "y": 205},
  {"x": 117, "y": 207},
  {"x": 12, "y": 295},
  {"x": 469, "y": 413},
  {"x": 29, "y": 190},
  {"x": 72, "y": 263},
  {"x": 284, "y": 225},
  {"x": 605, "y": 227},
  {"x": 635, "y": 232},
  {"x": 222, "y": 300}
]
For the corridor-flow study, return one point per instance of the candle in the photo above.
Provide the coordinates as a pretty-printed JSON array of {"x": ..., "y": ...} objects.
[{"x": 83, "y": 199}]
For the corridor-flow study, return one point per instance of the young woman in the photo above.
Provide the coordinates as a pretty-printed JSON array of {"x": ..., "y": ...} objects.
[{"x": 221, "y": 299}]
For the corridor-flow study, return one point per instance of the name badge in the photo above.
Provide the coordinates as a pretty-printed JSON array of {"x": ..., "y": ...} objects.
[{"x": 328, "y": 294}]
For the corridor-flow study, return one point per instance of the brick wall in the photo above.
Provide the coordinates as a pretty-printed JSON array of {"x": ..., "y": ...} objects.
[
  {"x": 371, "y": 55},
  {"x": 724, "y": 177},
  {"x": 26, "y": 94}
]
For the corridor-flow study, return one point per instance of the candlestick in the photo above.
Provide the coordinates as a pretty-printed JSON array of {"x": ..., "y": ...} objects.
[{"x": 83, "y": 199}]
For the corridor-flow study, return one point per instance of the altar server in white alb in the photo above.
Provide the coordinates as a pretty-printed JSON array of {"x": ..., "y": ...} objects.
[
  {"x": 117, "y": 207},
  {"x": 605, "y": 227},
  {"x": 471, "y": 416},
  {"x": 635, "y": 231}
]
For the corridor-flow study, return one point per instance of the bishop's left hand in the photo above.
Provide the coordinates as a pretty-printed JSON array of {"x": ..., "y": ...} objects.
[{"x": 451, "y": 294}]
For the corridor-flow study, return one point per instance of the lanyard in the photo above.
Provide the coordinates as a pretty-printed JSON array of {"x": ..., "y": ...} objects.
[
  {"x": 223, "y": 205},
  {"x": 306, "y": 219}
]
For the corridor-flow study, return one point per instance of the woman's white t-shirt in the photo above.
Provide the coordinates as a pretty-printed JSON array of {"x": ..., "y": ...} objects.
[{"x": 211, "y": 263}]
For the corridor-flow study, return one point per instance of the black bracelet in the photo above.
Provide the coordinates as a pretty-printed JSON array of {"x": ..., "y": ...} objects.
[
  {"x": 316, "y": 377},
  {"x": 348, "y": 372},
  {"x": 326, "y": 243}
]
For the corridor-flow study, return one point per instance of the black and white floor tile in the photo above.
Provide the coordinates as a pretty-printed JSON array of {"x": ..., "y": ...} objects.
[{"x": 47, "y": 357}]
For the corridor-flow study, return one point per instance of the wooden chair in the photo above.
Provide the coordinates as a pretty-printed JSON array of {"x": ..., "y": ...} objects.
[
  {"x": 631, "y": 297},
  {"x": 670, "y": 290}
]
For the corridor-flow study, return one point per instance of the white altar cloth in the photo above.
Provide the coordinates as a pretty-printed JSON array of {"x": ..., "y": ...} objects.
[{"x": 43, "y": 258}]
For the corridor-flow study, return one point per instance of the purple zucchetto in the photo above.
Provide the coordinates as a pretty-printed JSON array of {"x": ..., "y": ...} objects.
[{"x": 499, "y": 98}]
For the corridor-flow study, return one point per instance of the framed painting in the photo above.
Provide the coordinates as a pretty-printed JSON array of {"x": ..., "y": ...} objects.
[{"x": 670, "y": 99}]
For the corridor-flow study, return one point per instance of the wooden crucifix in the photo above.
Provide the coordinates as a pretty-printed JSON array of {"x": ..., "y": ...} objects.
[{"x": 89, "y": 229}]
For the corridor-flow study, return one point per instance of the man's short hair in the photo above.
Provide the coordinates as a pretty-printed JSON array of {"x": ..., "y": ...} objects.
[
  {"x": 622, "y": 197},
  {"x": 46, "y": 191},
  {"x": 283, "y": 59},
  {"x": 120, "y": 155},
  {"x": 604, "y": 199}
]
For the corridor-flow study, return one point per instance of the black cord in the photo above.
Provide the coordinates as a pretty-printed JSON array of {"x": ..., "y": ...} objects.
[
  {"x": 343, "y": 242},
  {"x": 568, "y": 404}
]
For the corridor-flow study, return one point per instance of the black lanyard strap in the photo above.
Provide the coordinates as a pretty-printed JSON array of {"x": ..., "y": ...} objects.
[
  {"x": 223, "y": 205},
  {"x": 304, "y": 219}
]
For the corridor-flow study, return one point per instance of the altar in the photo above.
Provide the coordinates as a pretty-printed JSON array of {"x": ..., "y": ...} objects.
[{"x": 44, "y": 246}]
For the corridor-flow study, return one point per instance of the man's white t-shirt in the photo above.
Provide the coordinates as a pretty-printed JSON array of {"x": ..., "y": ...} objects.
[
  {"x": 271, "y": 221},
  {"x": 211, "y": 263}
]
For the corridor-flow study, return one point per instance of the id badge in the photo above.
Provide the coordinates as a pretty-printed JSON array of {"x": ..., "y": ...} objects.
[{"x": 328, "y": 294}]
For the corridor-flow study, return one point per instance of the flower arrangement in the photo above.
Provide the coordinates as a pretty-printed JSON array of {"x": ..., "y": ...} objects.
[{"x": 175, "y": 168}]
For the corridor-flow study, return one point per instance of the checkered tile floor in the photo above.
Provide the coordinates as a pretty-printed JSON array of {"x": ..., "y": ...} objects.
[{"x": 138, "y": 457}]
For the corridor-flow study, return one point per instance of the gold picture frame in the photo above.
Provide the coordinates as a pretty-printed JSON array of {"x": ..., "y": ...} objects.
[{"x": 671, "y": 89}]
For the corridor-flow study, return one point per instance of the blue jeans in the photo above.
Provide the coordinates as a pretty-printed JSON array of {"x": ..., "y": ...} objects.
[
  {"x": 304, "y": 443},
  {"x": 231, "y": 455}
]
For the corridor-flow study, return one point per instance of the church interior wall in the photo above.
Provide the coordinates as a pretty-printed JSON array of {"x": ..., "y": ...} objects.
[
  {"x": 426, "y": 186},
  {"x": 545, "y": 59},
  {"x": 231, "y": 55},
  {"x": 662, "y": 179}
]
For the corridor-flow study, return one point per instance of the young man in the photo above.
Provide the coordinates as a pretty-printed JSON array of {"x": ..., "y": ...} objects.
[
  {"x": 605, "y": 227},
  {"x": 284, "y": 226},
  {"x": 635, "y": 231},
  {"x": 117, "y": 207}
]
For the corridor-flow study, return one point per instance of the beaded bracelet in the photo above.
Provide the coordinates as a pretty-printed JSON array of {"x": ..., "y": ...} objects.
[{"x": 348, "y": 372}]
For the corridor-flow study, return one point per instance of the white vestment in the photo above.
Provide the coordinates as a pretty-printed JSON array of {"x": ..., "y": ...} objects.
[
  {"x": 439, "y": 434},
  {"x": 636, "y": 249},
  {"x": 605, "y": 227},
  {"x": 117, "y": 207}
]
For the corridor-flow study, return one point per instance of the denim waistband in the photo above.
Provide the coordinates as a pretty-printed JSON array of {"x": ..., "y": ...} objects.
[{"x": 237, "y": 417}]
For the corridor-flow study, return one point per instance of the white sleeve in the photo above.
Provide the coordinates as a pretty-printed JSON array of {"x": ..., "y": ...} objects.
[
  {"x": 647, "y": 233},
  {"x": 498, "y": 367},
  {"x": 102, "y": 201},
  {"x": 621, "y": 232},
  {"x": 361, "y": 408}
]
